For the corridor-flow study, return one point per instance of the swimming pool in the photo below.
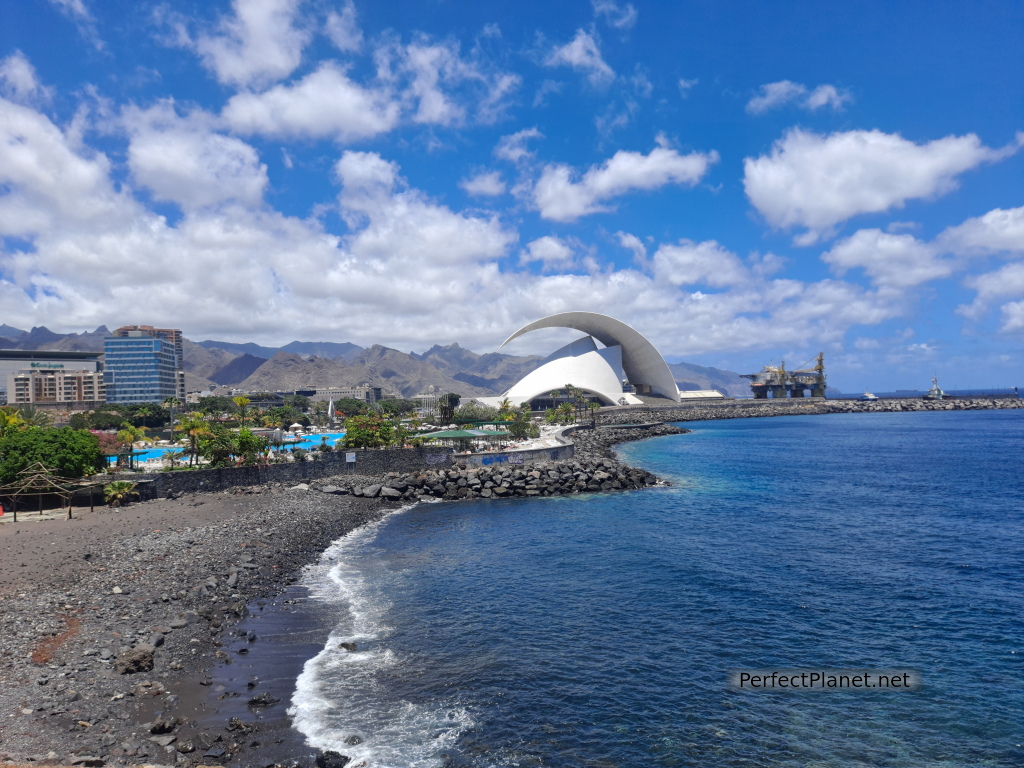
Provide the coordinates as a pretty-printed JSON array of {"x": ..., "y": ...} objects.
[{"x": 308, "y": 442}]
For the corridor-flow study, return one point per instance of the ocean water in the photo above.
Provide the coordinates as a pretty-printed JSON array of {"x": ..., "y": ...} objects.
[{"x": 599, "y": 630}]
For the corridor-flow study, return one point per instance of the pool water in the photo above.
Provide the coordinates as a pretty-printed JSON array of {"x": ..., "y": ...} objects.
[{"x": 308, "y": 442}]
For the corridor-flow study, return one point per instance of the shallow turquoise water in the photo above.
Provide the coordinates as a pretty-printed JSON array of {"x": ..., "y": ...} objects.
[{"x": 598, "y": 630}]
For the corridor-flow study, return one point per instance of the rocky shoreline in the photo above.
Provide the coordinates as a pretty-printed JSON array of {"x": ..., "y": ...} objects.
[{"x": 110, "y": 624}]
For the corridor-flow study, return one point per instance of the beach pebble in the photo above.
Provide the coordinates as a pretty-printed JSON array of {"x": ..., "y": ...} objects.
[{"x": 138, "y": 659}]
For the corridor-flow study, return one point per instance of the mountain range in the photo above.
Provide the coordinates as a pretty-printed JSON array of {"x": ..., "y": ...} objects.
[{"x": 310, "y": 364}]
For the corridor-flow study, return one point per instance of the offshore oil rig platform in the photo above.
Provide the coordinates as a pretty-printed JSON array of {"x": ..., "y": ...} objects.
[{"x": 778, "y": 382}]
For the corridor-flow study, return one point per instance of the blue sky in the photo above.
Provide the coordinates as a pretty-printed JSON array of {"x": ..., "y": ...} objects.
[{"x": 742, "y": 182}]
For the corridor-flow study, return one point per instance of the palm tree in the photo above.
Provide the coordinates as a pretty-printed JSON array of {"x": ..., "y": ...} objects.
[
  {"x": 144, "y": 411},
  {"x": 170, "y": 403},
  {"x": 566, "y": 412},
  {"x": 194, "y": 427},
  {"x": 242, "y": 402},
  {"x": 505, "y": 410},
  {"x": 320, "y": 416},
  {"x": 34, "y": 417},
  {"x": 119, "y": 492}
]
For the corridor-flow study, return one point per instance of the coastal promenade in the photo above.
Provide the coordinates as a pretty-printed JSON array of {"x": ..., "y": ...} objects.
[{"x": 111, "y": 624}]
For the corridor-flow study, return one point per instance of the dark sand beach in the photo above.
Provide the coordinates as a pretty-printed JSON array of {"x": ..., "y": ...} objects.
[{"x": 170, "y": 575}]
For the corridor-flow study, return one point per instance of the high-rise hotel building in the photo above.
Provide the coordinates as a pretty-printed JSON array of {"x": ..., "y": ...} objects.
[{"x": 143, "y": 364}]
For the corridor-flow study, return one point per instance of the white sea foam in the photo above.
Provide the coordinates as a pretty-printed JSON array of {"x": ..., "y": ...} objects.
[{"x": 338, "y": 694}]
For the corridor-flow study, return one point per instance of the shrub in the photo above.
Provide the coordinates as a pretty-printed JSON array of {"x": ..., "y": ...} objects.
[
  {"x": 119, "y": 492},
  {"x": 67, "y": 452}
]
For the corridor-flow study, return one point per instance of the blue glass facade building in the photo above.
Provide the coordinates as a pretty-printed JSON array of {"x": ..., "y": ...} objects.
[{"x": 141, "y": 368}]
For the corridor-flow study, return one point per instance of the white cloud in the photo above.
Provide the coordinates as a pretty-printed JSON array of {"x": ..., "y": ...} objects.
[
  {"x": 184, "y": 161},
  {"x": 635, "y": 245},
  {"x": 615, "y": 15},
  {"x": 685, "y": 86},
  {"x": 546, "y": 88},
  {"x": 1013, "y": 317},
  {"x": 323, "y": 104},
  {"x": 260, "y": 44},
  {"x": 77, "y": 11},
  {"x": 513, "y": 147},
  {"x": 998, "y": 231},
  {"x": 815, "y": 181},
  {"x": 47, "y": 182},
  {"x": 894, "y": 261},
  {"x": 18, "y": 81},
  {"x": 992, "y": 287},
  {"x": 553, "y": 253},
  {"x": 406, "y": 269},
  {"x": 442, "y": 87},
  {"x": 484, "y": 184},
  {"x": 343, "y": 29},
  {"x": 827, "y": 96},
  {"x": 560, "y": 198},
  {"x": 399, "y": 220},
  {"x": 784, "y": 92},
  {"x": 706, "y": 263},
  {"x": 583, "y": 55}
]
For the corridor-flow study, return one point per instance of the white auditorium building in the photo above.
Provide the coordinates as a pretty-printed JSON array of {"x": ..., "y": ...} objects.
[{"x": 625, "y": 366}]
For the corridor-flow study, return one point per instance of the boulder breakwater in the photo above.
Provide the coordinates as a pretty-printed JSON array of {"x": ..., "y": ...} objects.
[{"x": 752, "y": 409}]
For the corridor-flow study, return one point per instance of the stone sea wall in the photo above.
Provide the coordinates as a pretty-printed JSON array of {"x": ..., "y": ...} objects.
[
  {"x": 376, "y": 462},
  {"x": 746, "y": 409}
]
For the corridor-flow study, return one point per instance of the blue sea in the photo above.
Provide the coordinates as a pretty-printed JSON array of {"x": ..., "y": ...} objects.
[{"x": 599, "y": 630}]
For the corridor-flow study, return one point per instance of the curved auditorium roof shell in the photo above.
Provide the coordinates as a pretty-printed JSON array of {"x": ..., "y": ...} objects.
[{"x": 642, "y": 364}]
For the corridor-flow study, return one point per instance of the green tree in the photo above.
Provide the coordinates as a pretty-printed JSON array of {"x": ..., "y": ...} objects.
[
  {"x": 249, "y": 447},
  {"x": 520, "y": 422},
  {"x": 67, "y": 452},
  {"x": 79, "y": 421},
  {"x": 320, "y": 416},
  {"x": 130, "y": 434},
  {"x": 242, "y": 404},
  {"x": 108, "y": 417},
  {"x": 370, "y": 430},
  {"x": 394, "y": 407},
  {"x": 218, "y": 445},
  {"x": 218, "y": 405},
  {"x": 475, "y": 412},
  {"x": 10, "y": 421},
  {"x": 566, "y": 413},
  {"x": 445, "y": 408},
  {"x": 506, "y": 411},
  {"x": 298, "y": 401},
  {"x": 35, "y": 417},
  {"x": 193, "y": 427},
  {"x": 349, "y": 406}
]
